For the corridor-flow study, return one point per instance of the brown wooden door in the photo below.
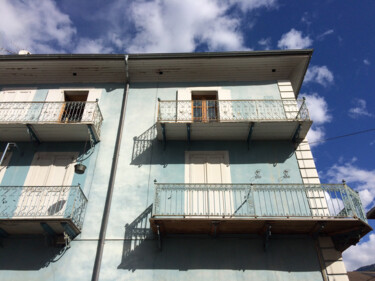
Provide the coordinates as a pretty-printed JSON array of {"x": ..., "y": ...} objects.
[{"x": 204, "y": 108}]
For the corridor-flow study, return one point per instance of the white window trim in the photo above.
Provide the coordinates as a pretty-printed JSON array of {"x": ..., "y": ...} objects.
[{"x": 93, "y": 93}]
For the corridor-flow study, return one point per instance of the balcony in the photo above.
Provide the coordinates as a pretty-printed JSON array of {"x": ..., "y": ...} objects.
[
  {"x": 233, "y": 120},
  {"x": 245, "y": 208},
  {"x": 50, "y": 121},
  {"x": 41, "y": 210}
]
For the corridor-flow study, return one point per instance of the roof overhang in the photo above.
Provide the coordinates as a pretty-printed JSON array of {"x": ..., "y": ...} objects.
[{"x": 252, "y": 66}]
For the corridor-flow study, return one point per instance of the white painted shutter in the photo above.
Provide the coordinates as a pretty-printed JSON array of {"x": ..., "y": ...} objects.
[
  {"x": 88, "y": 113},
  {"x": 184, "y": 105},
  {"x": 51, "y": 111},
  {"x": 226, "y": 112}
]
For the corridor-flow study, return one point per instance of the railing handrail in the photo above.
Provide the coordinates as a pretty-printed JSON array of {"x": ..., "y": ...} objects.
[
  {"x": 309, "y": 185},
  {"x": 25, "y": 202},
  {"x": 47, "y": 102},
  {"x": 239, "y": 110},
  {"x": 276, "y": 200},
  {"x": 278, "y": 100}
]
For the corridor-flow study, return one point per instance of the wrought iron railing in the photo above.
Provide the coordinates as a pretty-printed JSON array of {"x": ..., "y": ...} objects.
[
  {"x": 33, "y": 202},
  {"x": 52, "y": 112},
  {"x": 257, "y": 200},
  {"x": 232, "y": 110}
]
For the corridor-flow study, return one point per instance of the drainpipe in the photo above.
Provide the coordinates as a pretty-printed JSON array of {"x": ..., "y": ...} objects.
[{"x": 108, "y": 201}]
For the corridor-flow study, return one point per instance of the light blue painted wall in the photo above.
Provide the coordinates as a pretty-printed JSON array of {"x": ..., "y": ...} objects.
[
  {"x": 30, "y": 258},
  {"x": 182, "y": 258},
  {"x": 189, "y": 258}
]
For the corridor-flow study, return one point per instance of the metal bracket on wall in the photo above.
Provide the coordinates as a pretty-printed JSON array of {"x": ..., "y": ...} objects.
[
  {"x": 32, "y": 134},
  {"x": 69, "y": 230},
  {"x": 92, "y": 135},
  {"x": 296, "y": 134},
  {"x": 159, "y": 236},
  {"x": 318, "y": 228},
  {"x": 215, "y": 225},
  {"x": 3, "y": 233},
  {"x": 249, "y": 135},
  {"x": 267, "y": 235},
  {"x": 188, "y": 133},
  {"x": 164, "y": 136}
]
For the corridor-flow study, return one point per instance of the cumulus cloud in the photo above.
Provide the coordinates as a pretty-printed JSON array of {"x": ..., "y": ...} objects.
[
  {"x": 182, "y": 26},
  {"x": 359, "y": 109},
  {"x": 319, "y": 74},
  {"x": 265, "y": 43},
  {"x": 250, "y": 5},
  {"x": 319, "y": 113},
  {"x": 89, "y": 46},
  {"x": 137, "y": 26},
  {"x": 38, "y": 26},
  {"x": 294, "y": 40},
  {"x": 360, "y": 255},
  {"x": 362, "y": 179}
]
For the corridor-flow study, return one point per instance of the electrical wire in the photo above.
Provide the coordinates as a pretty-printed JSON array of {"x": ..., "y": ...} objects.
[{"x": 344, "y": 136}]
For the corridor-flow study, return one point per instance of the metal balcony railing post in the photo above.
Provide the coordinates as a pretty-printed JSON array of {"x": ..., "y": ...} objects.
[{"x": 301, "y": 108}]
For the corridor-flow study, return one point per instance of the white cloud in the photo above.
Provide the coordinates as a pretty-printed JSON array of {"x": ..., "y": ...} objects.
[
  {"x": 319, "y": 74},
  {"x": 38, "y": 26},
  {"x": 366, "y": 62},
  {"x": 88, "y": 46},
  {"x": 265, "y": 43},
  {"x": 360, "y": 255},
  {"x": 182, "y": 26},
  {"x": 360, "y": 109},
  {"x": 250, "y": 5},
  {"x": 324, "y": 34},
  {"x": 319, "y": 113},
  {"x": 137, "y": 26},
  {"x": 294, "y": 40},
  {"x": 364, "y": 180}
]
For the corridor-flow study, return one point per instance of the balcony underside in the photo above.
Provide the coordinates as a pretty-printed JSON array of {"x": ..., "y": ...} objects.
[
  {"x": 34, "y": 226},
  {"x": 47, "y": 132},
  {"x": 268, "y": 130},
  {"x": 258, "y": 225}
]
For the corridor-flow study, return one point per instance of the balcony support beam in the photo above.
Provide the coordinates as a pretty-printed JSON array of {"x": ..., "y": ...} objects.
[
  {"x": 159, "y": 236},
  {"x": 296, "y": 134},
  {"x": 164, "y": 136},
  {"x": 92, "y": 135},
  {"x": 32, "y": 134},
  {"x": 249, "y": 135},
  {"x": 3, "y": 233},
  {"x": 47, "y": 229},
  {"x": 188, "y": 133},
  {"x": 267, "y": 235},
  {"x": 69, "y": 230}
]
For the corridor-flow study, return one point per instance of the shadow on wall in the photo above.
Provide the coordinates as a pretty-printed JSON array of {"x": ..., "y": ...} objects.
[
  {"x": 142, "y": 148},
  {"x": 27, "y": 253},
  {"x": 235, "y": 252}
]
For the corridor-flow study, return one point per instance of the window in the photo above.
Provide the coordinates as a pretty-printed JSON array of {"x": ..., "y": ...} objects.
[{"x": 204, "y": 106}]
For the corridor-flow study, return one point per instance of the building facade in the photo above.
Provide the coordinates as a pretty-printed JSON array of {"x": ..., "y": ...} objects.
[{"x": 165, "y": 167}]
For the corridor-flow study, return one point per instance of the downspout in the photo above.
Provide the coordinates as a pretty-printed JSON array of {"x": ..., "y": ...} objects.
[{"x": 108, "y": 201}]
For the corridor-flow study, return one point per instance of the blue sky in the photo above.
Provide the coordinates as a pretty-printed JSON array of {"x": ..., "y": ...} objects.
[{"x": 338, "y": 86}]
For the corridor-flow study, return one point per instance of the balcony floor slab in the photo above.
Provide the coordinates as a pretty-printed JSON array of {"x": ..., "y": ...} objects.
[
  {"x": 267, "y": 130},
  {"x": 33, "y": 226},
  {"x": 46, "y": 132},
  {"x": 191, "y": 225}
]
